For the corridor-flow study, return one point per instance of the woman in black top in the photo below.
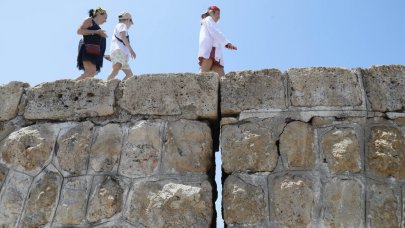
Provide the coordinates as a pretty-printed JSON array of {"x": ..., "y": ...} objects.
[{"x": 92, "y": 34}]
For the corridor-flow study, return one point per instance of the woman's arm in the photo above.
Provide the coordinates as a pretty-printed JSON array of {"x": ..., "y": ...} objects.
[{"x": 83, "y": 29}]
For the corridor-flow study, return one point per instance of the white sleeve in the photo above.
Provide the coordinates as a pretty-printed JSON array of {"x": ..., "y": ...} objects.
[
  {"x": 215, "y": 33},
  {"x": 121, "y": 27}
]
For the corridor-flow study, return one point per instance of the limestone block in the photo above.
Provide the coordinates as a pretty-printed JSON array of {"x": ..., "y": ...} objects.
[
  {"x": 188, "y": 147},
  {"x": 189, "y": 96},
  {"x": 106, "y": 148},
  {"x": 3, "y": 175},
  {"x": 341, "y": 150},
  {"x": 67, "y": 99},
  {"x": 115, "y": 224},
  {"x": 169, "y": 203},
  {"x": 243, "y": 203},
  {"x": 10, "y": 96},
  {"x": 320, "y": 86},
  {"x": 292, "y": 200},
  {"x": 12, "y": 198},
  {"x": 382, "y": 206},
  {"x": 106, "y": 199},
  {"x": 252, "y": 90},
  {"x": 72, "y": 204},
  {"x": 74, "y": 149},
  {"x": 29, "y": 149},
  {"x": 250, "y": 146},
  {"x": 5, "y": 129},
  {"x": 42, "y": 200},
  {"x": 343, "y": 203},
  {"x": 142, "y": 149},
  {"x": 386, "y": 152},
  {"x": 385, "y": 87},
  {"x": 297, "y": 145}
]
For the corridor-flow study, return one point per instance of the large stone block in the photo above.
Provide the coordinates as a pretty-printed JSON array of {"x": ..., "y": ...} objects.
[
  {"x": 29, "y": 149},
  {"x": 297, "y": 145},
  {"x": 320, "y": 86},
  {"x": 243, "y": 202},
  {"x": 3, "y": 175},
  {"x": 385, "y": 87},
  {"x": 170, "y": 203},
  {"x": 341, "y": 150},
  {"x": 188, "y": 147},
  {"x": 190, "y": 96},
  {"x": 5, "y": 129},
  {"x": 10, "y": 96},
  {"x": 386, "y": 152},
  {"x": 68, "y": 100},
  {"x": 343, "y": 203},
  {"x": 250, "y": 146},
  {"x": 252, "y": 90}
]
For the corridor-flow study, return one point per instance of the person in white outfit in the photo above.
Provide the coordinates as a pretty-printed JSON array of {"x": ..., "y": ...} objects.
[
  {"x": 120, "y": 48},
  {"x": 211, "y": 43}
]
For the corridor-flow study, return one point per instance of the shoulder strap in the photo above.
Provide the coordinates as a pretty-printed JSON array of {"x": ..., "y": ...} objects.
[{"x": 121, "y": 40}]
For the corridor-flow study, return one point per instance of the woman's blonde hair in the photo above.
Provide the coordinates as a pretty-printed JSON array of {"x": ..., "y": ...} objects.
[{"x": 96, "y": 11}]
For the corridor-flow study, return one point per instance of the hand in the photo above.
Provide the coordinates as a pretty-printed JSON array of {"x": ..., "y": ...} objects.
[
  {"x": 107, "y": 57},
  {"x": 102, "y": 33},
  {"x": 133, "y": 54},
  {"x": 231, "y": 46}
]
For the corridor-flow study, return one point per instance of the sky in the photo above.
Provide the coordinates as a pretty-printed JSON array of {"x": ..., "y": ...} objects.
[{"x": 39, "y": 39}]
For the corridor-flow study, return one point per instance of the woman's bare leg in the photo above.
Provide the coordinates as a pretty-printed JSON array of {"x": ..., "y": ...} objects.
[
  {"x": 89, "y": 70},
  {"x": 206, "y": 65},
  {"x": 219, "y": 70}
]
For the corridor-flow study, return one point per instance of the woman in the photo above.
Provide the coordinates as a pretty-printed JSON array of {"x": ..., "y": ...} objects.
[
  {"x": 120, "y": 48},
  {"x": 211, "y": 42},
  {"x": 92, "y": 34}
]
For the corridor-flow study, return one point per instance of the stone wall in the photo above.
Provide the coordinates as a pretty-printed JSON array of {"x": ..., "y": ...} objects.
[{"x": 309, "y": 147}]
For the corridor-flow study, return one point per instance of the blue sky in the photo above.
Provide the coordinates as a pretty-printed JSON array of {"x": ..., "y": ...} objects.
[{"x": 39, "y": 40}]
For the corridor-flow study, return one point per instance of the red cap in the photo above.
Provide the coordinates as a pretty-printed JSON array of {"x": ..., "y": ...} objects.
[{"x": 214, "y": 8}]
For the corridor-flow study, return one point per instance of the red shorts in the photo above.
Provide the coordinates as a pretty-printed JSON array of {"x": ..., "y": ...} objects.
[{"x": 212, "y": 56}]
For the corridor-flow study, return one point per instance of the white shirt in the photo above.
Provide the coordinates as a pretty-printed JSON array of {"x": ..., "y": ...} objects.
[
  {"x": 210, "y": 37},
  {"x": 116, "y": 44}
]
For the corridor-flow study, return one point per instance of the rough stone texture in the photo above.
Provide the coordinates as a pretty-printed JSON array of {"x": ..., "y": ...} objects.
[
  {"x": 188, "y": 147},
  {"x": 320, "y": 86},
  {"x": 10, "y": 96},
  {"x": 169, "y": 203},
  {"x": 188, "y": 96},
  {"x": 72, "y": 204},
  {"x": 12, "y": 198},
  {"x": 3, "y": 175},
  {"x": 292, "y": 200},
  {"x": 243, "y": 203},
  {"x": 250, "y": 146},
  {"x": 297, "y": 145},
  {"x": 5, "y": 129},
  {"x": 106, "y": 148},
  {"x": 255, "y": 90},
  {"x": 42, "y": 200},
  {"x": 383, "y": 205},
  {"x": 67, "y": 99},
  {"x": 385, "y": 87},
  {"x": 106, "y": 200},
  {"x": 343, "y": 203},
  {"x": 142, "y": 149},
  {"x": 341, "y": 150},
  {"x": 29, "y": 149},
  {"x": 74, "y": 149},
  {"x": 116, "y": 224},
  {"x": 386, "y": 152}
]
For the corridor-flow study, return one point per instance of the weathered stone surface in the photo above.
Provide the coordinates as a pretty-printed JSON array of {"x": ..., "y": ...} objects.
[
  {"x": 74, "y": 148},
  {"x": 188, "y": 147},
  {"x": 320, "y": 86},
  {"x": 250, "y": 146},
  {"x": 12, "y": 198},
  {"x": 292, "y": 200},
  {"x": 243, "y": 203},
  {"x": 297, "y": 145},
  {"x": 106, "y": 200},
  {"x": 42, "y": 200},
  {"x": 385, "y": 87},
  {"x": 116, "y": 224},
  {"x": 252, "y": 90},
  {"x": 341, "y": 150},
  {"x": 142, "y": 149},
  {"x": 67, "y": 99},
  {"x": 10, "y": 96},
  {"x": 5, "y": 129},
  {"x": 343, "y": 203},
  {"x": 382, "y": 206},
  {"x": 72, "y": 204},
  {"x": 386, "y": 152},
  {"x": 170, "y": 204},
  {"x": 106, "y": 148},
  {"x": 188, "y": 95},
  {"x": 3, "y": 175},
  {"x": 29, "y": 149}
]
